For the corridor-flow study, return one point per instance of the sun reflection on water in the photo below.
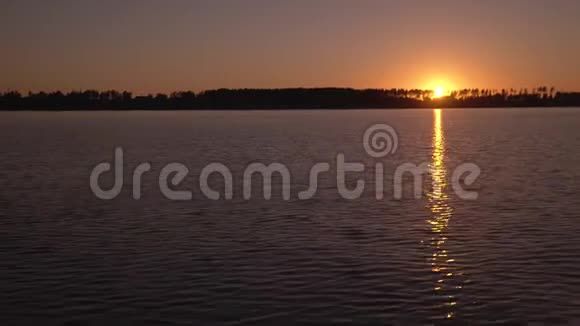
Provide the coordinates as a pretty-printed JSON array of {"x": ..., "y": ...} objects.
[{"x": 443, "y": 266}]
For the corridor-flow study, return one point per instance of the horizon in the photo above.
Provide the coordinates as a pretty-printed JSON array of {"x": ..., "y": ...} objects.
[
  {"x": 290, "y": 98},
  {"x": 444, "y": 92}
]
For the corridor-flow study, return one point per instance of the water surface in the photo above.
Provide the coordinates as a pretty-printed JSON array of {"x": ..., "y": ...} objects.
[{"x": 511, "y": 256}]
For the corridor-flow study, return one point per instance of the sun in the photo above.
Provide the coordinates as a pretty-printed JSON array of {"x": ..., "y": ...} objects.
[
  {"x": 439, "y": 86},
  {"x": 439, "y": 92}
]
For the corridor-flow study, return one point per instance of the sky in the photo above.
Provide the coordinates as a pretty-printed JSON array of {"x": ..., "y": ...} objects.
[{"x": 151, "y": 46}]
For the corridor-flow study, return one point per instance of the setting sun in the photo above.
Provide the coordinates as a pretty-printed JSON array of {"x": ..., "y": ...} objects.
[
  {"x": 438, "y": 92},
  {"x": 439, "y": 86}
]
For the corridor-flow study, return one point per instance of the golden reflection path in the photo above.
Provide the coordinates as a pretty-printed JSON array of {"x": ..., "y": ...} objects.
[{"x": 447, "y": 281}]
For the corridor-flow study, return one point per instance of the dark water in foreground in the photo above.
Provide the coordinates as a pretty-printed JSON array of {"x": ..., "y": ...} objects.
[{"x": 511, "y": 256}]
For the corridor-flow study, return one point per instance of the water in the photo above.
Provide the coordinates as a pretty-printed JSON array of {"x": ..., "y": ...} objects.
[{"x": 511, "y": 256}]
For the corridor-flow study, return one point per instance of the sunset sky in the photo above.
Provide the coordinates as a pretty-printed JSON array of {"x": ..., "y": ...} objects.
[{"x": 160, "y": 46}]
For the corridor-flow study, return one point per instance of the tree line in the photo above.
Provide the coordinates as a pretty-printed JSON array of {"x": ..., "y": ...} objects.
[{"x": 287, "y": 98}]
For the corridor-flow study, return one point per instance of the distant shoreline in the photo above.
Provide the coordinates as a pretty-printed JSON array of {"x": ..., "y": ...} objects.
[
  {"x": 288, "y": 99},
  {"x": 289, "y": 109}
]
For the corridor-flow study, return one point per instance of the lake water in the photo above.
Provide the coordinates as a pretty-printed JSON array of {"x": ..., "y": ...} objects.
[{"x": 511, "y": 256}]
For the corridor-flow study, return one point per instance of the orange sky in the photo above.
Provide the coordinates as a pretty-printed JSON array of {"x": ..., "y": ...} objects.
[{"x": 154, "y": 46}]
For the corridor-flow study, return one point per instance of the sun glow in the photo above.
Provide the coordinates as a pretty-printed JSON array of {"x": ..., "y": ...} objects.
[
  {"x": 439, "y": 86},
  {"x": 439, "y": 92}
]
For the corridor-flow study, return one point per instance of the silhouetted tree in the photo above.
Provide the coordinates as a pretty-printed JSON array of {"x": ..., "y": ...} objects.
[{"x": 288, "y": 98}]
